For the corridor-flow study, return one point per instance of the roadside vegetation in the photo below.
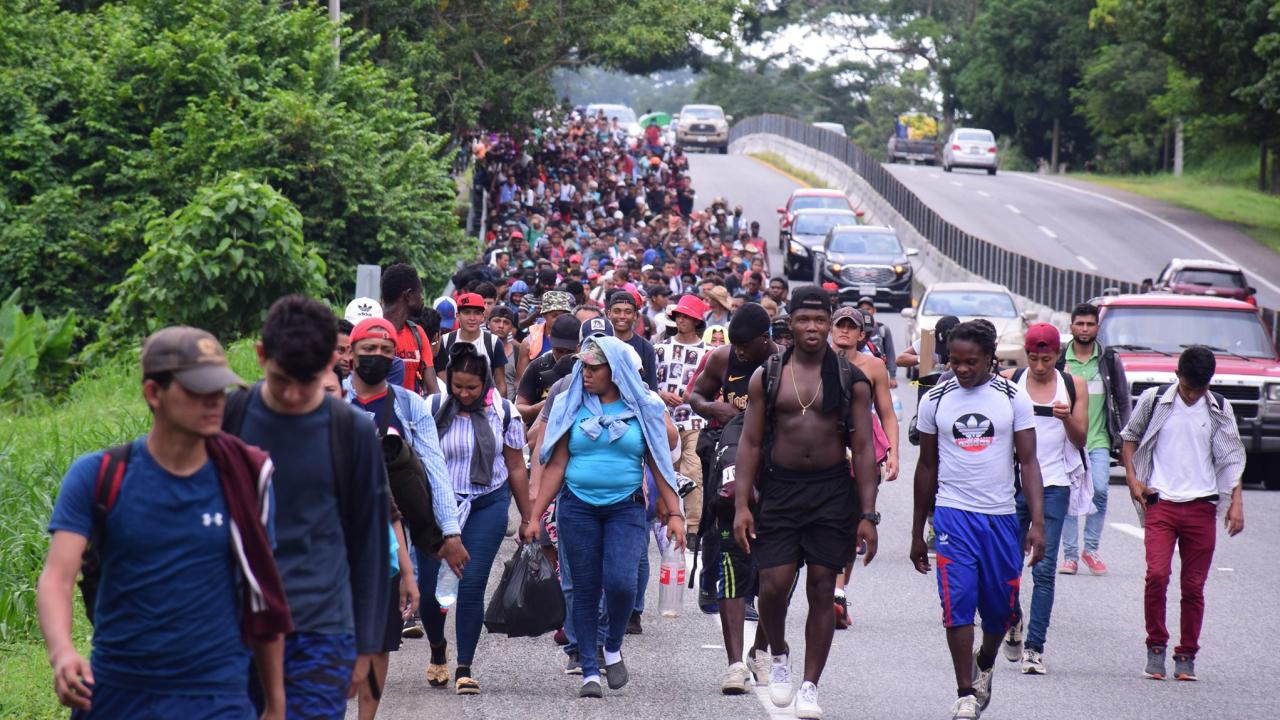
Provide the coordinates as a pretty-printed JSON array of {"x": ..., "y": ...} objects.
[{"x": 775, "y": 160}]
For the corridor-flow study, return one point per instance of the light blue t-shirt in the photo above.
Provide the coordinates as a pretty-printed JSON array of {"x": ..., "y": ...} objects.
[{"x": 602, "y": 472}]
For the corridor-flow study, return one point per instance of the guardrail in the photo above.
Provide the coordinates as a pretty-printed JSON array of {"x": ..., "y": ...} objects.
[{"x": 1055, "y": 287}]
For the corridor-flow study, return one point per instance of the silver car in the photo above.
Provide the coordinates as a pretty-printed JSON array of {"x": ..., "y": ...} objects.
[
  {"x": 704, "y": 126},
  {"x": 971, "y": 148}
]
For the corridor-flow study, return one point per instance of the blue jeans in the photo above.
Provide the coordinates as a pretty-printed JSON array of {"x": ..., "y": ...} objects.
[
  {"x": 566, "y": 584},
  {"x": 113, "y": 702},
  {"x": 1100, "y": 468},
  {"x": 1043, "y": 574},
  {"x": 642, "y": 580},
  {"x": 603, "y": 544},
  {"x": 482, "y": 536}
]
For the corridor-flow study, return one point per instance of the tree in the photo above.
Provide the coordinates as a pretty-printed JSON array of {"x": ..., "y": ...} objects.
[{"x": 1117, "y": 97}]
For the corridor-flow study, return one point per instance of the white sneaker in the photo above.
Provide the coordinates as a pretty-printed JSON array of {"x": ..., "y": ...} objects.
[
  {"x": 982, "y": 683},
  {"x": 781, "y": 691},
  {"x": 807, "y": 702},
  {"x": 758, "y": 662},
  {"x": 1013, "y": 643},
  {"x": 966, "y": 708},
  {"x": 737, "y": 679},
  {"x": 1033, "y": 663}
]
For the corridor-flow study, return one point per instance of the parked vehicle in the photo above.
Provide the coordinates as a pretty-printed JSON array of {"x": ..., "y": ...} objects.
[
  {"x": 971, "y": 148},
  {"x": 970, "y": 301},
  {"x": 1149, "y": 331},
  {"x": 804, "y": 237},
  {"x": 704, "y": 126},
  {"x": 1203, "y": 277},
  {"x": 805, "y": 198},
  {"x": 915, "y": 139},
  {"x": 836, "y": 128},
  {"x": 866, "y": 261}
]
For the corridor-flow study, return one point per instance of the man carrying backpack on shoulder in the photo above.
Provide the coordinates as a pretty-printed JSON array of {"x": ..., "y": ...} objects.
[
  {"x": 333, "y": 547},
  {"x": 182, "y": 513}
]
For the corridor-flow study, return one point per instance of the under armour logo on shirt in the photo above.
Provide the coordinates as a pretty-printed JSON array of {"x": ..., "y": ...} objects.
[{"x": 214, "y": 519}]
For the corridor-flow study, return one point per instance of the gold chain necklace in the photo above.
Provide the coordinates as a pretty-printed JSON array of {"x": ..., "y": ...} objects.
[{"x": 804, "y": 407}]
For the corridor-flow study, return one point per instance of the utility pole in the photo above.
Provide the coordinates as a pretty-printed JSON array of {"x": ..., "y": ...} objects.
[
  {"x": 1177, "y": 147},
  {"x": 335, "y": 17},
  {"x": 1053, "y": 153}
]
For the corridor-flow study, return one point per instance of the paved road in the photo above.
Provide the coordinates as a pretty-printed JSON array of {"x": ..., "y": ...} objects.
[
  {"x": 893, "y": 663},
  {"x": 1088, "y": 227}
]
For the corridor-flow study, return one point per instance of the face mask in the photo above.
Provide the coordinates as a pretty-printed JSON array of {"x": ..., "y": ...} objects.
[{"x": 373, "y": 369}]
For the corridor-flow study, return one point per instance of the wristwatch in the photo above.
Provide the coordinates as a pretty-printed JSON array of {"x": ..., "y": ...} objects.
[{"x": 872, "y": 517}]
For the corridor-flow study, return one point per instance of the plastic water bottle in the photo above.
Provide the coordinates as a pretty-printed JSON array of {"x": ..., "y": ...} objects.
[
  {"x": 446, "y": 587},
  {"x": 671, "y": 582},
  {"x": 897, "y": 404}
]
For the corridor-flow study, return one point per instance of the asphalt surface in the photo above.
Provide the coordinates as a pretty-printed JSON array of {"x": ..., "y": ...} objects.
[
  {"x": 1089, "y": 227},
  {"x": 893, "y": 663}
]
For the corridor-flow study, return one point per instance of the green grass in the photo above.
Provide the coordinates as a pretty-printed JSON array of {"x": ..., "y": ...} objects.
[
  {"x": 1256, "y": 212},
  {"x": 777, "y": 161},
  {"x": 37, "y": 445}
]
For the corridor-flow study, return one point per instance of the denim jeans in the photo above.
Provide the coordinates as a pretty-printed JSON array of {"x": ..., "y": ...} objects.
[
  {"x": 1100, "y": 468},
  {"x": 481, "y": 536},
  {"x": 1043, "y": 574},
  {"x": 566, "y": 585},
  {"x": 603, "y": 544},
  {"x": 642, "y": 579}
]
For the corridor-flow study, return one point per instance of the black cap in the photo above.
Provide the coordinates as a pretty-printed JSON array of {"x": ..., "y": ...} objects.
[
  {"x": 564, "y": 332},
  {"x": 810, "y": 297}
]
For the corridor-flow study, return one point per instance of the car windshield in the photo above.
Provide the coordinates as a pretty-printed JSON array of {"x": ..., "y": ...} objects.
[
  {"x": 1211, "y": 278},
  {"x": 815, "y": 224},
  {"x": 975, "y": 136},
  {"x": 865, "y": 244},
  {"x": 819, "y": 201},
  {"x": 1167, "y": 329},
  {"x": 969, "y": 303},
  {"x": 702, "y": 113}
]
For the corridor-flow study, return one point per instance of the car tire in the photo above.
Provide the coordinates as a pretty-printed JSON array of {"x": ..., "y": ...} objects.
[{"x": 991, "y": 171}]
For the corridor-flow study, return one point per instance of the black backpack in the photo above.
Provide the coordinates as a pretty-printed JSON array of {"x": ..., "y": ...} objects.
[
  {"x": 106, "y": 488},
  {"x": 341, "y": 439},
  {"x": 772, "y": 377},
  {"x": 408, "y": 480}
]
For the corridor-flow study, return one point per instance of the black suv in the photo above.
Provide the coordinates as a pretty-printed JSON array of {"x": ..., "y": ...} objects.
[{"x": 867, "y": 261}]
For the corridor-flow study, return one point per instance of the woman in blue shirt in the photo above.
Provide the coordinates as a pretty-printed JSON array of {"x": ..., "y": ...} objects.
[{"x": 600, "y": 435}]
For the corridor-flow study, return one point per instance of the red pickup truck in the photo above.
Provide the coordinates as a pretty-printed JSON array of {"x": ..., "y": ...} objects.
[{"x": 1149, "y": 331}]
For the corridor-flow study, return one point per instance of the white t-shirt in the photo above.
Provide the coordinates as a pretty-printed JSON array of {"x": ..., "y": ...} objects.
[
  {"x": 1182, "y": 464},
  {"x": 1051, "y": 436},
  {"x": 975, "y": 428}
]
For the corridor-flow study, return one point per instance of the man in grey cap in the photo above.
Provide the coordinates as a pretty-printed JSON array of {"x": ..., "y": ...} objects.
[{"x": 197, "y": 528}]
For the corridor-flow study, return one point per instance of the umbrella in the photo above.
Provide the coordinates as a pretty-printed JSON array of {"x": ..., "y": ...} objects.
[{"x": 663, "y": 119}]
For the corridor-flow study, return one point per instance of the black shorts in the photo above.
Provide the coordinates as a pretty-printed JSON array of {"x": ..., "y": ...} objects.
[
  {"x": 395, "y": 623},
  {"x": 806, "y": 516},
  {"x": 738, "y": 578}
]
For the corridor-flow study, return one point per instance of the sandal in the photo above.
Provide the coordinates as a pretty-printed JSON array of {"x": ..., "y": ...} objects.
[
  {"x": 438, "y": 672},
  {"x": 465, "y": 684}
]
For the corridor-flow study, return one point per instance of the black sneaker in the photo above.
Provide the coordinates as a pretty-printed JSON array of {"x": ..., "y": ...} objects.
[
  {"x": 1184, "y": 667},
  {"x": 413, "y": 628},
  {"x": 591, "y": 690},
  {"x": 633, "y": 625},
  {"x": 1155, "y": 663},
  {"x": 752, "y": 614},
  {"x": 617, "y": 674},
  {"x": 573, "y": 665}
]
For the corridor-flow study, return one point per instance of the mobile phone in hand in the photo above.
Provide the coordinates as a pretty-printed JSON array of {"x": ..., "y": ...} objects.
[{"x": 1043, "y": 410}]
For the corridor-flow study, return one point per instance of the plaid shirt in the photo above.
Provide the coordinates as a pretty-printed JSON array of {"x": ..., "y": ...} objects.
[{"x": 1153, "y": 410}]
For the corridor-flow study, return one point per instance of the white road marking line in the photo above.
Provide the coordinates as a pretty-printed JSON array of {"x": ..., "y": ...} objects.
[
  {"x": 957, "y": 184},
  {"x": 1048, "y": 232},
  {"x": 1085, "y": 262},
  {"x": 712, "y": 647},
  {"x": 1178, "y": 229},
  {"x": 1128, "y": 529},
  {"x": 984, "y": 193},
  {"x": 1013, "y": 209},
  {"x": 1226, "y": 569}
]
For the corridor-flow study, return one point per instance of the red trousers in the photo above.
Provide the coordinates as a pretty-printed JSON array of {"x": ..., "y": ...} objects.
[{"x": 1193, "y": 526}]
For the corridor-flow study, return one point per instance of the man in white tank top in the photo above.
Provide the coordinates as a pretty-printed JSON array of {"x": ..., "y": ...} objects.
[{"x": 1061, "y": 425}]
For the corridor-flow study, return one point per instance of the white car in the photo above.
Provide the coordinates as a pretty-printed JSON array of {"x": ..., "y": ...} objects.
[
  {"x": 626, "y": 117},
  {"x": 703, "y": 126},
  {"x": 971, "y": 148},
  {"x": 970, "y": 301}
]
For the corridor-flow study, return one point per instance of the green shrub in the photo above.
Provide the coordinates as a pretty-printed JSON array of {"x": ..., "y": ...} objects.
[
  {"x": 34, "y": 352},
  {"x": 218, "y": 263}
]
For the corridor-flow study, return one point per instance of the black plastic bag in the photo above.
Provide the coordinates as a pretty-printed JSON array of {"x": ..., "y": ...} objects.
[{"x": 528, "y": 601}]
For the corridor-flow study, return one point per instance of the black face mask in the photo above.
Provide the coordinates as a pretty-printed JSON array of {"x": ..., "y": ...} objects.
[{"x": 373, "y": 369}]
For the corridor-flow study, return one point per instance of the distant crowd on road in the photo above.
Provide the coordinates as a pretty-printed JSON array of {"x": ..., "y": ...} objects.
[{"x": 620, "y": 366}]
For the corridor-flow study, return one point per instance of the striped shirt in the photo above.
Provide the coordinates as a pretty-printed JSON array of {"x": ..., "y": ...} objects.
[
  {"x": 458, "y": 441},
  {"x": 1152, "y": 412}
]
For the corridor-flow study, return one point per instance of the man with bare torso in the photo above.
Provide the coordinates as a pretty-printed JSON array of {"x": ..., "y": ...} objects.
[{"x": 809, "y": 505}]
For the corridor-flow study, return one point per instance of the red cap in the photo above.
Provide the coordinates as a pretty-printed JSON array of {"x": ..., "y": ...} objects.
[
  {"x": 372, "y": 327},
  {"x": 575, "y": 258},
  {"x": 1043, "y": 338},
  {"x": 470, "y": 300}
]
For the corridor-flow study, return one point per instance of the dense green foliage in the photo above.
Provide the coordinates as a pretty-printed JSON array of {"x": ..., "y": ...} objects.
[
  {"x": 218, "y": 263},
  {"x": 117, "y": 116},
  {"x": 35, "y": 353}
]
